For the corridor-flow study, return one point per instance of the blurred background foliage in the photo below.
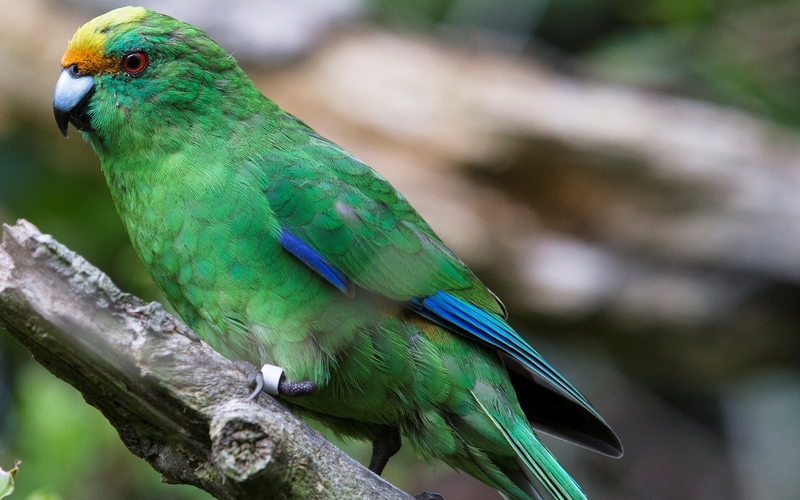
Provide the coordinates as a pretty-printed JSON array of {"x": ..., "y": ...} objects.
[{"x": 624, "y": 174}]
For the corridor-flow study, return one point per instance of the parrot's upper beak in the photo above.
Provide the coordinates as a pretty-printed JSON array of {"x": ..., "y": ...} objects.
[{"x": 71, "y": 99}]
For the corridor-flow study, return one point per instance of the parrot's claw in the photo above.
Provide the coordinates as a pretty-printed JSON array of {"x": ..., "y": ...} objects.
[
  {"x": 426, "y": 495},
  {"x": 270, "y": 379},
  {"x": 259, "y": 383},
  {"x": 254, "y": 377}
]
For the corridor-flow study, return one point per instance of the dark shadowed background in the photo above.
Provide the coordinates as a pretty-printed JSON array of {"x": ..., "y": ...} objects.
[{"x": 624, "y": 174}]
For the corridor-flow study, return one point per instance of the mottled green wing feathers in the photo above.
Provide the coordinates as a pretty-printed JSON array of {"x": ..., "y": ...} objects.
[{"x": 353, "y": 217}]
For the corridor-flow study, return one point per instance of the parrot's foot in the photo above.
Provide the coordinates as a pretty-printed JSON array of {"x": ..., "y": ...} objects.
[
  {"x": 427, "y": 495},
  {"x": 270, "y": 379},
  {"x": 254, "y": 377},
  {"x": 384, "y": 446}
]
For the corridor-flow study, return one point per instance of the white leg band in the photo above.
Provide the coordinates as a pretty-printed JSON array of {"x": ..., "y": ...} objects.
[{"x": 272, "y": 378}]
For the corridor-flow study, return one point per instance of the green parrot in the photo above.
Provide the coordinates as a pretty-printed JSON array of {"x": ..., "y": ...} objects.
[{"x": 280, "y": 248}]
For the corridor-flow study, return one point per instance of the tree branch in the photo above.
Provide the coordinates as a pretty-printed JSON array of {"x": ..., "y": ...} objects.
[{"x": 174, "y": 401}]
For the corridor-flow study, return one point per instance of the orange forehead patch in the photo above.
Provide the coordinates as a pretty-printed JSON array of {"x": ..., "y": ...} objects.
[{"x": 89, "y": 61}]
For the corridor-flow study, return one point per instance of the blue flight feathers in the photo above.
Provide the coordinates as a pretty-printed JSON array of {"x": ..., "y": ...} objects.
[
  {"x": 315, "y": 261},
  {"x": 454, "y": 313}
]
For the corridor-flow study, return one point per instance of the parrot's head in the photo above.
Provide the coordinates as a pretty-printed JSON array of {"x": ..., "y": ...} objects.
[{"x": 131, "y": 71}]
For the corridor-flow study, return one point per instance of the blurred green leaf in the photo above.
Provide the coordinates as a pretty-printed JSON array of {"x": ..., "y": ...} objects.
[{"x": 7, "y": 480}]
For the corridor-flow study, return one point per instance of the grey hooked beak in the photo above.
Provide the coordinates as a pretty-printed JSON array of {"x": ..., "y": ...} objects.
[{"x": 71, "y": 99}]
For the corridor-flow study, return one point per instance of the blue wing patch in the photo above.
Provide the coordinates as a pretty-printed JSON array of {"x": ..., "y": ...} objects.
[
  {"x": 458, "y": 315},
  {"x": 316, "y": 261}
]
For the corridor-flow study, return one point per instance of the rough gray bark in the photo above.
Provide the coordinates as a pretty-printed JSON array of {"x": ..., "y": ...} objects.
[{"x": 174, "y": 401}]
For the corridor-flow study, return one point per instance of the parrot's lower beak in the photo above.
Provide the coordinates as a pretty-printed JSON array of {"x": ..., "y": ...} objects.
[{"x": 71, "y": 99}]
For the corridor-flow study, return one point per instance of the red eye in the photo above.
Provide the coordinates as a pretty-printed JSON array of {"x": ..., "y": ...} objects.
[{"x": 134, "y": 63}]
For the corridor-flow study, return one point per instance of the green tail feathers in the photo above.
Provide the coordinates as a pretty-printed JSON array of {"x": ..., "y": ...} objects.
[{"x": 537, "y": 463}]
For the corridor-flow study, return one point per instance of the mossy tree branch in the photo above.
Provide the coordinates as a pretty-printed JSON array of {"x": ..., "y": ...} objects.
[{"x": 174, "y": 401}]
